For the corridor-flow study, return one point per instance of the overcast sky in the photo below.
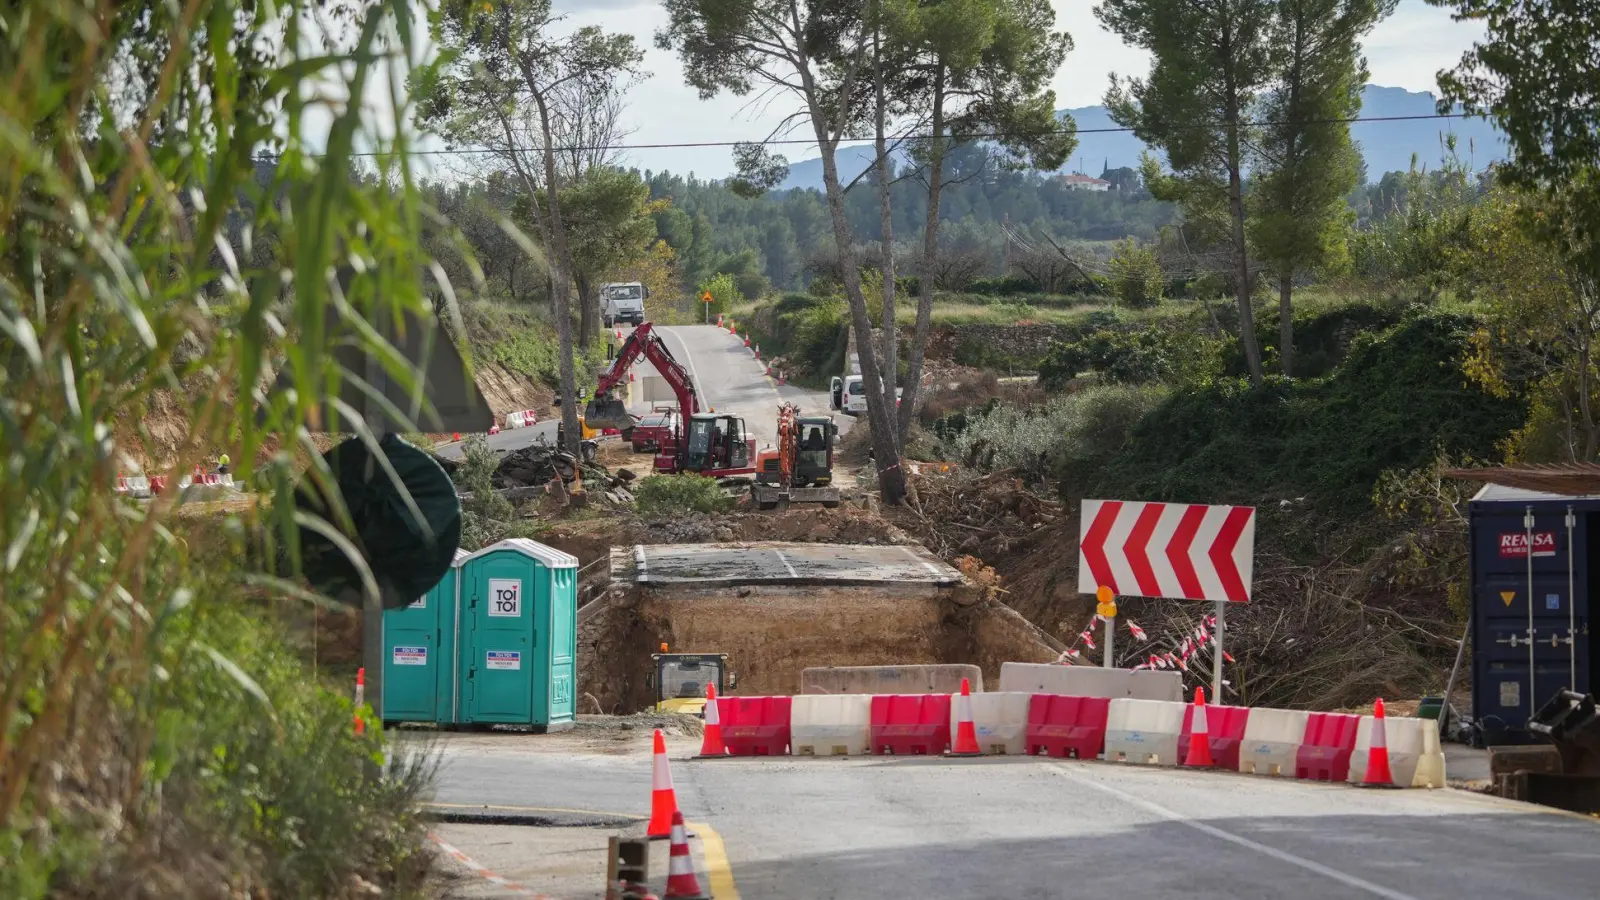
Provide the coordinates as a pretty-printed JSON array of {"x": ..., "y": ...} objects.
[{"x": 1406, "y": 50}]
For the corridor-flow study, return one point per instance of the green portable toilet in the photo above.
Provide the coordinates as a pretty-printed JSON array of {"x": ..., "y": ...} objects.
[
  {"x": 519, "y": 636},
  {"x": 419, "y": 654}
]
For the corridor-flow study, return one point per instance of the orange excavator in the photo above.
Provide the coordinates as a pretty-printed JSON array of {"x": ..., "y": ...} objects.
[{"x": 800, "y": 470}]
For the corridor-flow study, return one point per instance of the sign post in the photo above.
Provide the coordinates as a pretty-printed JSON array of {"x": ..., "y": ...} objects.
[
  {"x": 1106, "y": 608},
  {"x": 1176, "y": 550},
  {"x": 706, "y": 299}
]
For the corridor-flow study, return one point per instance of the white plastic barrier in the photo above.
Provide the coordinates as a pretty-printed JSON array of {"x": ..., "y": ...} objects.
[
  {"x": 1272, "y": 739},
  {"x": 1001, "y": 721},
  {"x": 1090, "y": 681},
  {"x": 1144, "y": 732},
  {"x": 516, "y": 420},
  {"x": 1415, "y": 757},
  {"x": 830, "y": 725}
]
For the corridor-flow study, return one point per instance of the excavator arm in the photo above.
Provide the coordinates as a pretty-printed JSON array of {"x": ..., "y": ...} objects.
[{"x": 643, "y": 343}]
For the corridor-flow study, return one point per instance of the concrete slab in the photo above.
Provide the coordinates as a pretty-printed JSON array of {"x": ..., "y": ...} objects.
[{"x": 781, "y": 563}]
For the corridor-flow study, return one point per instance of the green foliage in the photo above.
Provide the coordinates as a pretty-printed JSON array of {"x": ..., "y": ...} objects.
[
  {"x": 1078, "y": 431},
  {"x": 610, "y": 221},
  {"x": 1420, "y": 219},
  {"x": 724, "y": 294},
  {"x": 1133, "y": 357},
  {"x": 167, "y": 228},
  {"x": 1136, "y": 278},
  {"x": 663, "y": 496},
  {"x": 1322, "y": 335},
  {"x": 1398, "y": 398}
]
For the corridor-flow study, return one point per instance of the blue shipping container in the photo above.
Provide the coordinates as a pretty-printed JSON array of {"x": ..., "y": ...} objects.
[{"x": 1531, "y": 599}]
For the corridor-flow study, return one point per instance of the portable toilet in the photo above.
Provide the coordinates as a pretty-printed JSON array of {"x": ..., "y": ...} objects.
[
  {"x": 419, "y": 654},
  {"x": 519, "y": 644}
]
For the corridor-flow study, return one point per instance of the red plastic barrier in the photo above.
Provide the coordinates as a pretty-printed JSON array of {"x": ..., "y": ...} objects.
[
  {"x": 1325, "y": 753},
  {"x": 1063, "y": 726},
  {"x": 910, "y": 724},
  {"x": 158, "y": 483},
  {"x": 755, "y": 726},
  {"x": 1224, "y": 728}
]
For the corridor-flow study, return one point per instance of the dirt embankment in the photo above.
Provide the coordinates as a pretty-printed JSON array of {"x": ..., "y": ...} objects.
[{"x": 508, "y": 392}]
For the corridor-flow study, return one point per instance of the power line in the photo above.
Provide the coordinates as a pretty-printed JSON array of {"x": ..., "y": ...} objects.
[{"x": 691, "y": 145}]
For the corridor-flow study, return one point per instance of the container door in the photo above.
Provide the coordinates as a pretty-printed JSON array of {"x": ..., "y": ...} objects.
[
  {"x": 411, "y": 662},
  {"x": 563, "y": 644},
  {"x": 501, "y": 665}
]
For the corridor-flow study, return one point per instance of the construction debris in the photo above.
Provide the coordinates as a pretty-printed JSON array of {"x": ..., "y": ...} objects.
[{"x": 535, "y": 465}]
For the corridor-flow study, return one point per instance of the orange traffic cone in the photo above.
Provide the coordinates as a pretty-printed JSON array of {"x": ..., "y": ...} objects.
[
  {"x": 712, "y": 746},
  {"x": 758, "y": 351},
  {"x": 1378, "y": 774},
  {"x": 361, "y": 698},
  {"x": 1199, "y": 739},
  {"x": 747, "y": 340},
  {"x": 681, "y": 881},
  {"x": 966, "y": 733},
  {"x": 456, "y": 437},
  {"x": 663, "y": 799}
]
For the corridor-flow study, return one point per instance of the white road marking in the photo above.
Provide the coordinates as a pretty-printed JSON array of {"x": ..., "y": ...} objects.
[
  {"x": 785, "y": 560},
  {"x": 1376, "y": 890},
  {"x": 640, "y": 563},
  {"x": 688, "y": 362}
]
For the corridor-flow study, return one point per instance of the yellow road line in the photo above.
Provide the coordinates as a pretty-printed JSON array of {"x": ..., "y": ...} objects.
[
  {"x": 717, "y": 870},
  {"x": 534, "y": 809}
]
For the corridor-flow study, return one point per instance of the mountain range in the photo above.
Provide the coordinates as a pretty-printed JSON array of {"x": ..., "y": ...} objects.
[{"x": 1387, "y": 146}]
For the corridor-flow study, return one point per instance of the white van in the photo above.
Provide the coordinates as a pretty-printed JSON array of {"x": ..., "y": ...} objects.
[
  {"x": 845, "y": 394},
  {"x": 623, "y": 302}
]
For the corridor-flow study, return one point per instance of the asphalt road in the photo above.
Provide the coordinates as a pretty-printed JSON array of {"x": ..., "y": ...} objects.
[
  {"x": 727, "y": 377},
  {"x": 1018, "y": 828}
]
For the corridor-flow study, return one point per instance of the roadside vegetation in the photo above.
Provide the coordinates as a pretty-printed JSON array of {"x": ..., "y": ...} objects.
[{"x": 161, "y": 734}]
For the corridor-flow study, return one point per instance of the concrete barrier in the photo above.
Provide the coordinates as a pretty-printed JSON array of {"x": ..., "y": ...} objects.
[
  {"x": 830, "y": 725},
  {"x": 1272, "y": 742},
  {"x": 1090, "y": 681},
  {"x": 1144, "y": 732},
  {"x": 1001, "y": 721},
  {"x": 1415, "y": 757},
  {"x": 932, "y": 679}
]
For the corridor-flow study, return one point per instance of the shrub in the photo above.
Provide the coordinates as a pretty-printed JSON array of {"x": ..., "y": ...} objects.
[
  {"x": 675, "y": 495},
  {"x": 724, "y": 292},
  {"x": 1071, "y": 431},
  {"x": 1133, "y": 357},
  {"x": 1136, "y": 275}
]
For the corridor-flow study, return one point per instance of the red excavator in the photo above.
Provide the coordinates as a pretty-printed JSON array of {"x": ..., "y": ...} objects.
[{"x": 702, "y": 442}]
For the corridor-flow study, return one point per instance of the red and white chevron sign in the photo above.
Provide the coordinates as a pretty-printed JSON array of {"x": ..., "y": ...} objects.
[{"x": 1167, "y": 550}]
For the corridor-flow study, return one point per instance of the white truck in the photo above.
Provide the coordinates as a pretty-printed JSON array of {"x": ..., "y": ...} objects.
[{"x": 623, "y": 302}]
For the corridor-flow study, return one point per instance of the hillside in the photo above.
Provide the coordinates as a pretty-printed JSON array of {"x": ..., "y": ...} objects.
[{"x": 1386, "y": 146}]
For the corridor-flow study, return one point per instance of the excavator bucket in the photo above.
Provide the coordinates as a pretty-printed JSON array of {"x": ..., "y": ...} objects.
[{"x": 607, "y": 412}]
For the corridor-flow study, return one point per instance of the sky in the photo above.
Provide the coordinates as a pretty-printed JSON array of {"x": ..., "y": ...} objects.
[{"x": 1406, "y": 50}]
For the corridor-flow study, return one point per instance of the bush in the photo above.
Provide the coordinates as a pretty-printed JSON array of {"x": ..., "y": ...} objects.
[
  {"x": 1067, "y": 432},
  {"x": 1136, "y": 275},
  {"x": 1133, "y": 357},
  {"x": 724, "y": 292},
  {"x": 1397, "y": 400},
  {"x": 675, "y": 495}
]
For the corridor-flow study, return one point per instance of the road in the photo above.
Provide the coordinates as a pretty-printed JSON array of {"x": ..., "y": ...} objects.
[
  {"x": 834, "y": 564},
  {"x": 999, "y": 827},
  {"x": 727, "y": 377}
]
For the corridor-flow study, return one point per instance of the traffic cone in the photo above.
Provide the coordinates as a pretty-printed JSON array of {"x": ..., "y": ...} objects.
[
  {"x": 712, "y": 746},
  {"x": 619, "y": 335},
  {"x": 681, "y": 881},
  {"x": 1378, "y": 774},
  {"x": 758, "y": 351},
  {"x": 1199, "y": 739},
  {"x": 780, "y": 376},
  {"x": 966, "y": 733},
  {"x": 663, "y": 799},
  {"x": 361, "y": 698},
  {"x": 456, "y": 437},
  {"x": 747, "y": 339}
]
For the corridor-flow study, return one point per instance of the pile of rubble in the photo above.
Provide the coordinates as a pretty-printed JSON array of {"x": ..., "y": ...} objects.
[
  {"x": 979, "y": 515},
  {"x": 535, "y": 465}
]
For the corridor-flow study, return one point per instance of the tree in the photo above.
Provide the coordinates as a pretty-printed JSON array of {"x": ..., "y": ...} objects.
[
  {"x": 1136, "y": 277},
  {"x": 815, "y": 52},
  {"x": 979, "y": 67},
  {"x": 610, "y": 221},
  {"x": 1210, "y": 65},
  {"x": 501, "y": 82},
  {"x": 1307, "y": 163},
  {"x": 1543, "y": 323}
]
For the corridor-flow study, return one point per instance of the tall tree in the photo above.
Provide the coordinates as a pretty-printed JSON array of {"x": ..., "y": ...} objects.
[
  {"x": 610, "y": 223},
  {"x": 1210, "y": 65},
  {"x": 499, "y": 83},
  {"x": 818, "y": 53},
  {"x": 979, "y": 67},
  {"x": 1307, "y": 163}
]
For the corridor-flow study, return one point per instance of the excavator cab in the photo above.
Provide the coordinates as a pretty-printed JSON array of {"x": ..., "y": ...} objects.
[
  {"x": 715, "y": 443},
  {"x": 814, "y": 452}
]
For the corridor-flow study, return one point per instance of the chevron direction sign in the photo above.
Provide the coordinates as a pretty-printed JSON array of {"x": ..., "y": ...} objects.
[{"x": 1167, "y": 550}]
